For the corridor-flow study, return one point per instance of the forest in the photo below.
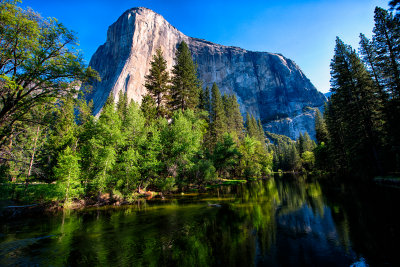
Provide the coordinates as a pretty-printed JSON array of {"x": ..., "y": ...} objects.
[
  {"x": 359, "y": 133},
  {"x": 182, "y": 136}
]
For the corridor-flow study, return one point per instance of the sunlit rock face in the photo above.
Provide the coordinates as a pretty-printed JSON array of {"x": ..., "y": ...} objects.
[{"x": 268, "y": 85}]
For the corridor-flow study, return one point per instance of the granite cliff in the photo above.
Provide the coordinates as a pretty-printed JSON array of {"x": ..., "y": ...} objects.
[{"x": 268, "y": 85}]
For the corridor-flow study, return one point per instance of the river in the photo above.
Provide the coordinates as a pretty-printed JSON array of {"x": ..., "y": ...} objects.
[{"x": 282, "y": 221}]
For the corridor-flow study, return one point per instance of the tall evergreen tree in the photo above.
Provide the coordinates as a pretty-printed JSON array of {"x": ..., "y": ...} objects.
[
  {"x": 369, "y": 57},
  {"x": 185, "y": 89},
  {"x": 386, "y": 43},
  {"x": 356, "y": 109},
  {"x": 321, "y": 131},
  {"x": 218, "y": 118},
  {"x": 252, "y": 128},
  {"x": 205, "y": 100},
  {"x": 158, "y": 82},
  {"x": 234, "y": 119}
]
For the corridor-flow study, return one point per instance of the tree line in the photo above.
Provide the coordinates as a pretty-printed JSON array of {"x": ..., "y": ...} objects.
[
  {"x": 359, "y": 133},
  {"x": 180, "y": 135}
]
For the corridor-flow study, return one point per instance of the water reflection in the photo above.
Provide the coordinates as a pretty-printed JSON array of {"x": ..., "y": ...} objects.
[{"x": 277, "y": 222}]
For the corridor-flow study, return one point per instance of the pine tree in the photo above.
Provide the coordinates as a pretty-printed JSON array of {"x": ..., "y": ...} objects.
[
  {"x": 185, "y": 89},
  {"x": 149, "y": 108},
  {"x": 205, "y": 103},
  {"x": 369, "y": 57},
  {"x": 157, "y": 82},
  {"x": 385, "y": 40},
  {"x": 234, "y": 119},
  {"x": 218, "y": 119},
  {"x": 321, "y": 131},
  {"x": 261, "y": 133},
  {"x": 205, "y": 100},
  {"x": 355, "y": 109},
  {"x": 252, "y": 127}
]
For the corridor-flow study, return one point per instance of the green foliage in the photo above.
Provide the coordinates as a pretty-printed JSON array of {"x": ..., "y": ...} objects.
[
  {"x": 38, "y": 62},
  {"x": 157, "y": 83},
  {"x": 254, "y": 162},
  {"x": 321, "y": 130},
  {"x": 185, "y": 88},
  {"x": 67, "y": 172},
  {"x": 354, "y": 115},
  {"x": 166, "y": 184},
  {"x": 182, "y": 142},
  {"x": 218, "y": 125},
  {"x": 308, "y": 160},
  {"x": 226, "y": 155},
  {"x": 204, "y": 171},
  {"x": 234, "y": 119}
]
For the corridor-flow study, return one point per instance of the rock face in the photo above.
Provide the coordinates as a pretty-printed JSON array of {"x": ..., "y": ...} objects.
[{"x": 270, "y": 86}]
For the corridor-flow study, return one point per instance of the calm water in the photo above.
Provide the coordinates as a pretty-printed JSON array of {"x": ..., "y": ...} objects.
[{"x": 284, "y": 221}]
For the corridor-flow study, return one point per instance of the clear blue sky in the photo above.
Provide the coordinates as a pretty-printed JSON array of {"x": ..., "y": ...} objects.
[{"x": 303, "y": 31}]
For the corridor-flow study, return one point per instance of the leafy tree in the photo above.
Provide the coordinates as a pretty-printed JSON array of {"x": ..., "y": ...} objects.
[
  {"x": 67, "y": 173},
  {"x": 254, "y": 161},
  {"x": 38, "y": 61},
  {"x": 157, "y": 82},
  {"x": 61, "y": 134},
  {"x": 104, "y": 145},
  {"x": 182, "y": 142},
  {"x": 185, "y": 88},
  {"x": 225, "y": 155}
]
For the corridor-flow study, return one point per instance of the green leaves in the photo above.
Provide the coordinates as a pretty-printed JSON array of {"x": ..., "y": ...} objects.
[
  {"x": 185, "y": 89},
  {"x": 38, "y": 61}
]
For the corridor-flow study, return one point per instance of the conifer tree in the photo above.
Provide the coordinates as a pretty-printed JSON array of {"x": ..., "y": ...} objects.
[
  {"x": 234, "y": 119},
  {"x": 321, "y": 132},
  {"x": 356, "y": 108},
  {"x": 205, "y": 100},
  {"x": 149, "y": 108},
  {"x": 369, "y": 57},
  {"x": 252, "y": 127},
  {"x": 205, "y": 104},
  {"x": 218, "y": 119},
  {"x": 185, "y": 88},
  {"x": 385, "y": 40},
  {"x": 158, "y": 82},
  {"x": 261, "y": 133}
]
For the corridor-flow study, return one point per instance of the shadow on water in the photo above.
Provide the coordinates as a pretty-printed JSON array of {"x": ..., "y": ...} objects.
[{"x": 286, "y": 221}]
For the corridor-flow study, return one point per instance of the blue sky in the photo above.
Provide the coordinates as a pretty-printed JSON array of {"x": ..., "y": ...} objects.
[{"x": 303, "y": 31}]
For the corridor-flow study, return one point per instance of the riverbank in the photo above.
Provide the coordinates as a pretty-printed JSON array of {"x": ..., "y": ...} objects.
[{"x": 35, "y": 199}]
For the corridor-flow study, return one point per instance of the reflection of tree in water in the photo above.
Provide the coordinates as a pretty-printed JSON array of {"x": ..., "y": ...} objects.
[{"x": 271, "y": 222}]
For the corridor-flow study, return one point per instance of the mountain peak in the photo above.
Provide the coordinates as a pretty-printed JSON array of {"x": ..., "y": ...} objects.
[{"x": 268, "y": 85}]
